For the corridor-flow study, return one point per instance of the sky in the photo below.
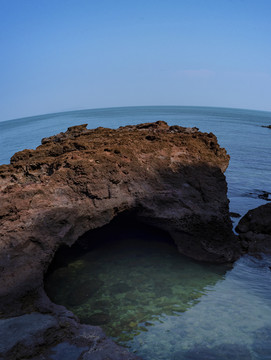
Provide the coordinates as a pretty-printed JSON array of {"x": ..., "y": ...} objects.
[{"x": 61, "y": 55}]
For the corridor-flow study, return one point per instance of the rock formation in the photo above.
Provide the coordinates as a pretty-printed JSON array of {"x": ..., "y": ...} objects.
[
  {"x": 255, "y": 230},
  {"x": 170, "y": 176}
]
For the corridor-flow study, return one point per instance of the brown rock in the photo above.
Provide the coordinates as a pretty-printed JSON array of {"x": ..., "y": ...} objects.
[
  {"x": 255, "y": 230},
  {"x": 52, "y": 195},
  {"x": 171, "y": 177}
]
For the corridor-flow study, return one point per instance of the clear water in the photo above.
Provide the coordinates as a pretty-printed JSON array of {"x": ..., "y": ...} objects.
[
  {"x": 161, "y": 305},
  {"x": 131, "y": 276},
  {"x": 149, "y": 298}
]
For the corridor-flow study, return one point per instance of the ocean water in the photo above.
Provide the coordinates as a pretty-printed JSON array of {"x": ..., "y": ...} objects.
[{"x": 144, "y": 294}]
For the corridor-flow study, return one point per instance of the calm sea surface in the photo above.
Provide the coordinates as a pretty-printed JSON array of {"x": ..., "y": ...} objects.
[{"x": 183, "y": 310}]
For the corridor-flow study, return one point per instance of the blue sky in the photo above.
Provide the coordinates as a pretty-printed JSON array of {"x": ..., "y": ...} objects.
[{"x": 59, "y": 55}]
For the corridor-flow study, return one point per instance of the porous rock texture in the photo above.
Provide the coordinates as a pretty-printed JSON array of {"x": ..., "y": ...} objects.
[
  {"x": 170, "y": 176},
  {"x": 255, "y": 230}
]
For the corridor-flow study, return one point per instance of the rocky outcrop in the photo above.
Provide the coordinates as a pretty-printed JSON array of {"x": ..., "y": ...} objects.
[
  {"x": 268, "y": 126},
  {"x": 170, "y": 176},
  {"x": 255, "y": 230}
]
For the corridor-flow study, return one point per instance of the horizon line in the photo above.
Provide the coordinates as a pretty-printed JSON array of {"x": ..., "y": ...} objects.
[{"x": 131, "y": 106}]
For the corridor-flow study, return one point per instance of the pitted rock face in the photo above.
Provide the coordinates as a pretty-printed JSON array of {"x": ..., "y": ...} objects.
[{"x": 170, "y": 176}]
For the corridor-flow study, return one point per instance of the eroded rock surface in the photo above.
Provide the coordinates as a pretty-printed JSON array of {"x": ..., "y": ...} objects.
[
  {"x": 255, "y": 230},
  {"x": 57, "y": 336},
  {"x": 170, "y": 176},
  {"x": 23, "y": 332}
]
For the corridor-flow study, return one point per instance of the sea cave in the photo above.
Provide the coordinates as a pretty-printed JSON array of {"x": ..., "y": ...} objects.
[{"x": 127, "y": 277}]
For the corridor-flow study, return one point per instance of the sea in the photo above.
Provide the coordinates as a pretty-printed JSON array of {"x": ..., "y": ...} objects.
[{"x": 196, "y": 311}]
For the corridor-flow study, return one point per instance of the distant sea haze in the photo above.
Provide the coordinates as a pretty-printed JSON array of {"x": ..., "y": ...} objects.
[{"x": 239, "y": 131}]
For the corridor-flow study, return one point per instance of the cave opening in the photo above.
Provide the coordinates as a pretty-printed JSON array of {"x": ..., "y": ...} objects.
[
  {"x": 124, "y": 229},
  {"x": 125, "y": 276}
]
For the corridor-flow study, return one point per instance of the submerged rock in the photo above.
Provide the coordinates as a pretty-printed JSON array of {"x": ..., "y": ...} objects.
[
  {"x": 83, "y": 291},
  {"x": 170, "y": 177},
  {"x": 255, "y": 230},
  {"x": 265, "y": 196},
  {"x": 120, "y": 288},
  {"x": 259, "y": 194},
  {"x": 99, "y": 318}
]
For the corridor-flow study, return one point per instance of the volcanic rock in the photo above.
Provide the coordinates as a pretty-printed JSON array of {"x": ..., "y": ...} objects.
[
  {"x": 171, "y": 177},
  {"x": 255, "y": 230}
]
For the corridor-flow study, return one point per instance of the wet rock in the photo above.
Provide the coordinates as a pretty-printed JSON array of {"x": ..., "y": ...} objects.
[
  {"x": 255, "y": 230},
  {"x": 268, "y": 126},
  {"x": 265, "y": 195},
  {"x": 259, "y": 194},
  {"x": 21, "y": 335}
]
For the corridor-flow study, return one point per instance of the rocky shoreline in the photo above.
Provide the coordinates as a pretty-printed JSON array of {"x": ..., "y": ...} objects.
[{"x": 169, "y": 176}]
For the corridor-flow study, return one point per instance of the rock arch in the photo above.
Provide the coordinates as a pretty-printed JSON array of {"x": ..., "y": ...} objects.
[{"x": 172, "y": 177}]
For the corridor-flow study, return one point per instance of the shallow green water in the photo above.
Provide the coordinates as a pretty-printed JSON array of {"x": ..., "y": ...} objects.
[{"x": 162, "y": 305}]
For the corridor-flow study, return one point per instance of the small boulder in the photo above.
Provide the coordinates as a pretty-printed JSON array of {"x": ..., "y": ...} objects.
[{"x": 255, "y": 230}]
